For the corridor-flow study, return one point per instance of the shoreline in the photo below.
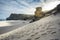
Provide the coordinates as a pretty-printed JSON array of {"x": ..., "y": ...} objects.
[{"x": 6, "y": 26}]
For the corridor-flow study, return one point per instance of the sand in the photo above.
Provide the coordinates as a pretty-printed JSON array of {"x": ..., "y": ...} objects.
[
  {"x": 47, "y": 28},
  {"x": 6, "y": 26}
]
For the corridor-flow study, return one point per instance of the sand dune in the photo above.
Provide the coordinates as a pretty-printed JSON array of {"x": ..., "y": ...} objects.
[{"x": 47, "y": 28}]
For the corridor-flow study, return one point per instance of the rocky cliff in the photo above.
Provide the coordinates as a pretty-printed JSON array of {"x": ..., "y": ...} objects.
[{"x": 19, "y": 17}]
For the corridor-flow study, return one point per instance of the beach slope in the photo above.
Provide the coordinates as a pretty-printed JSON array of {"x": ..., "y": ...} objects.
[{"x": 47, "y": 28}]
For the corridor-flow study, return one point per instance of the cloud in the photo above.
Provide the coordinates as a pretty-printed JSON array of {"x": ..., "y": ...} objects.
[
  {"x": 50, "y": 5},
  {"x": 20, "y": 6}
]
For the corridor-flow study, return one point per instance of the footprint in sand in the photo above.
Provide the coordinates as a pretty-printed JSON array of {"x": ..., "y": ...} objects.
[
  {"x": 53, "y": 32},
  {"x": 28, "y": 39},
  {"x": 44, "y": 34},
  {"x": 34, "y": 34},
  {"x": 37, "y": 38}
]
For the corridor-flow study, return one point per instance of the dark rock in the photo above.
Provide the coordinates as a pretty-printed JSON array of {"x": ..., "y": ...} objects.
[{"x": 19, "y": 17}]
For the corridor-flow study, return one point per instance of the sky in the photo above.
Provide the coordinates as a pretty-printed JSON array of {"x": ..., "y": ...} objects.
[{"x": 24, "y": 6}]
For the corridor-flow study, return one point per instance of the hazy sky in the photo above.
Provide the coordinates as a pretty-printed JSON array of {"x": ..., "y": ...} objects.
[{"x": 20, "y": 6}]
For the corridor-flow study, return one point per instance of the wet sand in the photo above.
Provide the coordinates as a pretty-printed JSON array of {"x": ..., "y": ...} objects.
[{"x": 6, "y": 26}]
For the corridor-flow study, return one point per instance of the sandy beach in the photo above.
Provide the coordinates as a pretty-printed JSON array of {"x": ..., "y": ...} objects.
[
  {"x": 6, "y": 26},
  {"x": 47, "y": 28}
]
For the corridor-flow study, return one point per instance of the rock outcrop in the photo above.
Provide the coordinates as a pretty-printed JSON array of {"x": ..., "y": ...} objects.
[{"x": 19, "y": 17}]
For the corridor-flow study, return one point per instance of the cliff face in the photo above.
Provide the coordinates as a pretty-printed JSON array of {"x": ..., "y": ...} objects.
[{"x": 19, "y": 17}]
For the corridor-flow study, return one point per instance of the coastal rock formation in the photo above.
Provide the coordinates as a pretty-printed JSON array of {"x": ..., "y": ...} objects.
[
  {"x": 19, "y": 17},
  {"x": 38, "y": 12},
  {"x": 47, "y": 28}
]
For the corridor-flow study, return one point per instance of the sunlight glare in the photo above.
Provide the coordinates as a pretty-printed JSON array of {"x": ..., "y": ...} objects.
[{"x": 51, "y": 5}]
